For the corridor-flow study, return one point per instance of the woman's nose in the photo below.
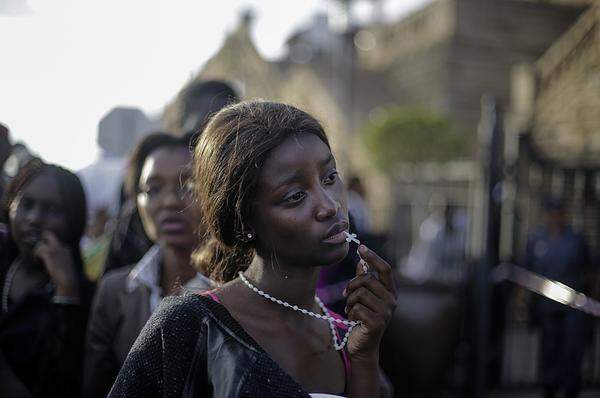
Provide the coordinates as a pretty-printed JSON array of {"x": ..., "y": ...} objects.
[
  {"x": 35, "y": 215},
  {"x": 328, "y": 205}
]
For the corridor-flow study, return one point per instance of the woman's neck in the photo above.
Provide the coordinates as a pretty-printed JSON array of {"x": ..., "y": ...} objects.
[
  {"x": 295, "y": 285},
  {"x": 177, "y": 270}
]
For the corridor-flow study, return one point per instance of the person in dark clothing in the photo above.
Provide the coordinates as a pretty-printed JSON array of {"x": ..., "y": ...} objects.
[
  {"x": 129, "y": 242},
  {"x": 276, "y": 212},
  {"x": 44, "y": 292},
  {"x": 203, "y": 99},
  {"x": 126, "y": 297},
  {"x": 559, "y": 253}
]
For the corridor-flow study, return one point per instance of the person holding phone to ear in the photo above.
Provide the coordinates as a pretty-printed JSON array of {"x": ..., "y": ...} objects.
[{"x": 43, "y": 290}]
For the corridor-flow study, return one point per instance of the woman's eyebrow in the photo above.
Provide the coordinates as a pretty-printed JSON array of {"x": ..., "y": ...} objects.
[
  {"x": 327, "y": 160},
  {"x": 295, "y": 176}
]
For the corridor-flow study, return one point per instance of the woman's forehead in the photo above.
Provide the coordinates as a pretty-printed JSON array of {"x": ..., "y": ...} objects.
[
  {"x": 298, "y": 153},
  {"x": 44, "y": 185},
  {"x": 166, "y": 162}
]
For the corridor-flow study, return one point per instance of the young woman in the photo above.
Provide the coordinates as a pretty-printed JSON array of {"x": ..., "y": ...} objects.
[
  {"x": 42, "y": 286},
  {"x": 159, "y": 176},
  {"x": 276, "y": 210}
]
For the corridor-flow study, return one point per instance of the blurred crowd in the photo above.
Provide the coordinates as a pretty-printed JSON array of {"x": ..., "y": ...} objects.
[{"x": 86, "y": 258}]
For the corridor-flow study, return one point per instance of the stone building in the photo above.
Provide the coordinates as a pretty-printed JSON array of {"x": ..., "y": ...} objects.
[
  {"x": 447, "y": 55},
  {"x": 556, "y": 118},
  {"x": 443, "y": 57}
]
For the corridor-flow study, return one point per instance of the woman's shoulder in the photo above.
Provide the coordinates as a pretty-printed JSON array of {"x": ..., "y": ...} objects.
[
  {"x": 189, "y": 306},
  {"x": 163, "y": 351},
  {"x": 184, "y": 315}
]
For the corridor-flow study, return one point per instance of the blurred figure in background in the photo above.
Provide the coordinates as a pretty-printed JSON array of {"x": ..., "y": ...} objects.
[
  {"x": 204, "y": 99},
  {"x": 357, "y": 205},
  {"x": 12, "y": 157},
  {"x": 555, "y": 251},
  {"x": 159, "y": 180},
  {"x": 44, "y": 292},
  {"x": 118, "y": 132},
  {"x": 200, "y": 101},
  {"x": 128, "y": 241},
  {"x": 438, "y": 255}
]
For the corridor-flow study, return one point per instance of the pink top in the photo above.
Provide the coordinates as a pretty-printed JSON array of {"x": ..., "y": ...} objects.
[{"x": 344, "y": 353}]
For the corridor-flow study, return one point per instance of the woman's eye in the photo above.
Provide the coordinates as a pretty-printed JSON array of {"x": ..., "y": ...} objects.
[
  {"x": 152, "y": 190},
  {"x": 296, "y": 197},
  {"x": 55, "y": 209},
  {"x": 331, "y": 178}
]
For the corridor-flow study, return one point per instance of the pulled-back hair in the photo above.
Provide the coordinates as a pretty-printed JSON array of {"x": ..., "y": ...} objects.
[
  {"x": 72, "y": 196},
  {"x": 142, "y": 150},
  {"x": 228, "y": 160}
]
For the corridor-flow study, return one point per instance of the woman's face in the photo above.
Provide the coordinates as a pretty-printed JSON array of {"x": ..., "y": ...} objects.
[
  {"x": 300, "y": 211},
  {"x": 36, "y": 209},
  {"x": 168, "y": 213}
]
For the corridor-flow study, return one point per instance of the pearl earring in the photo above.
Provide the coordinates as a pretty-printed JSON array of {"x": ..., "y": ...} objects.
[{"x": 249, "y": 236}]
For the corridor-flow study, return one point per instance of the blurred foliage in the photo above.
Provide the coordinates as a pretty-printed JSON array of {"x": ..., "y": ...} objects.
[{"x": 412, "y": 135}]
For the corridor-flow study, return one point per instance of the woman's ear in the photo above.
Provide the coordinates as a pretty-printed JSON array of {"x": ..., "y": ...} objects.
[{"x": 247, "y": 235}]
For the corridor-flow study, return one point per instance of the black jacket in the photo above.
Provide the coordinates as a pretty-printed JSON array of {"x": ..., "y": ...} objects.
[
  {"x": 42, "y": 343},
  {"x": 117, "y": 317},
  {"x": 192, "y": 347}
]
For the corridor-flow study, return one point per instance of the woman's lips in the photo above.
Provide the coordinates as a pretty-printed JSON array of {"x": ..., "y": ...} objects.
[
  {"x": 336, "y": 239},
  {"x": 173, "y": 225}
]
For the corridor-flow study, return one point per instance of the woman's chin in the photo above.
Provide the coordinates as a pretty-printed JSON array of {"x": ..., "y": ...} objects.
[
  {"x": 178, "y": 241},
  {"x": 337, "y": 256}
]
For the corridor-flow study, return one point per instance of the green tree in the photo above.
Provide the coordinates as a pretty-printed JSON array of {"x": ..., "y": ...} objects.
[{"x": 413, "y": 135}]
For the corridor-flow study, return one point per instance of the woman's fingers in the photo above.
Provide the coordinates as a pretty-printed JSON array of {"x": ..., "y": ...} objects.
[
  {"x": 371, "y": 319},
  {"x": 371, "y": 283},
  {"x": 365, "y": 297},
  {"x": 381, "y": 266},
  {"x": 50, "y": 239}
]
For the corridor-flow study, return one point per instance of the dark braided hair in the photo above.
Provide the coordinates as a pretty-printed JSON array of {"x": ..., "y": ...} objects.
[{"x": 72, "y": 196}]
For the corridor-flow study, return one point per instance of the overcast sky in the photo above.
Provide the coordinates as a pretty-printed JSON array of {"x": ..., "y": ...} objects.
[{"x": 65, "y": 63}]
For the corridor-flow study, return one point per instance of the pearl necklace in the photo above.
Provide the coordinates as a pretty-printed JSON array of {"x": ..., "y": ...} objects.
[{"x": 351, "y": 324}]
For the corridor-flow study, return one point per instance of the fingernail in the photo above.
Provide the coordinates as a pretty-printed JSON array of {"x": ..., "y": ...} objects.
[{"x": 362, "y": 249}]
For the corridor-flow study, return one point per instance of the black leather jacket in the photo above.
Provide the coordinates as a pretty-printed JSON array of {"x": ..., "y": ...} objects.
[{"x": 192, "y": 347}]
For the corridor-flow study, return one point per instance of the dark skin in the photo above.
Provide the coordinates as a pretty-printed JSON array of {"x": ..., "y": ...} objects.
[
  {"x": 168, "y": 213},
  {"x": 39, "y": 229},
  {"x": 300, "y": 202}
]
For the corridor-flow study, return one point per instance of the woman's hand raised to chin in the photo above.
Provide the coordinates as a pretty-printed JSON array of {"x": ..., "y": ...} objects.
[
  {"x": 58, "y": 262},
  {"x": 370, "y": 299}
]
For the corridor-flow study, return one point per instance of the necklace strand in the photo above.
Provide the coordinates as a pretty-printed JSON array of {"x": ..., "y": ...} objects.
[
  {"x": 10, "y": 275},
  {"x": 331, "y": 320}
]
